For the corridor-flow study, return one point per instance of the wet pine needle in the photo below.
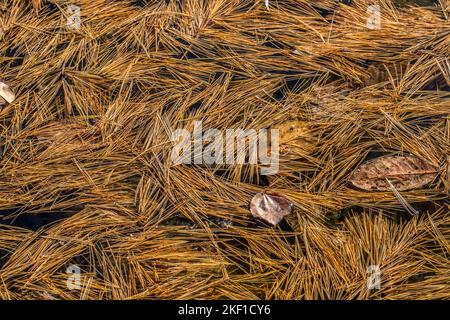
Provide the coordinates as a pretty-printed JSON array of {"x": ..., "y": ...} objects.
[{"x": 87, "y": 141}]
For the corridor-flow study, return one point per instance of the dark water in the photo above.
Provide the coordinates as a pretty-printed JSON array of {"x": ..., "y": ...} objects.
[{"x": 31, "y": 221}]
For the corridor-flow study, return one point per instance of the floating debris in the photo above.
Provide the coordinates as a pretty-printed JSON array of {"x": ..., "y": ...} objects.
[
  {"x": 376, "y": 74},
  {"x": 270, "y": 207},
  {"x": 6, "y": 94},
  {"x": 379, "y": 72},
  {"x": 295, "y": 137},
  {"x": 401, "y": 172},
  {"x": 402, "y": 200}
]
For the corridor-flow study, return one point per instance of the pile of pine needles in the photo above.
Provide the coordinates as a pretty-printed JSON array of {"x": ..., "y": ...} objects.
[{"x": 85, "y": 171}]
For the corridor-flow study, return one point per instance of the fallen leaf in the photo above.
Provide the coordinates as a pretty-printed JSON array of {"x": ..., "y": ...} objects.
[
  {"x": 400, "y": 172},
  {"x": 6, "y": 94},
  {"x": 375, "y": 74},
  {"x": 378, "y": 72},
  {"x": 270, "y": 207},
  {"x": 295, "y": 137}
]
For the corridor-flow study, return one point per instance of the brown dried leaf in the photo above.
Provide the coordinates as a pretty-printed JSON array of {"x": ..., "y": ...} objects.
[
  {"x": 375, "y": 74},
  {"x": 295, "y": 137},
  {"x": 404, "y": 173},
  {"x": 270, "y": 207},
  {"x": 378, "y": 72}
]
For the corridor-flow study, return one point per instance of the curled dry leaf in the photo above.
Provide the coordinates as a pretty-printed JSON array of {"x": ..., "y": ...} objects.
[
  {"x": 270, "y": 207},
  {"x": 6, "y": 94},
  {"x": 295, "y": 137},
  {"x": 400, "y": 172}
]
